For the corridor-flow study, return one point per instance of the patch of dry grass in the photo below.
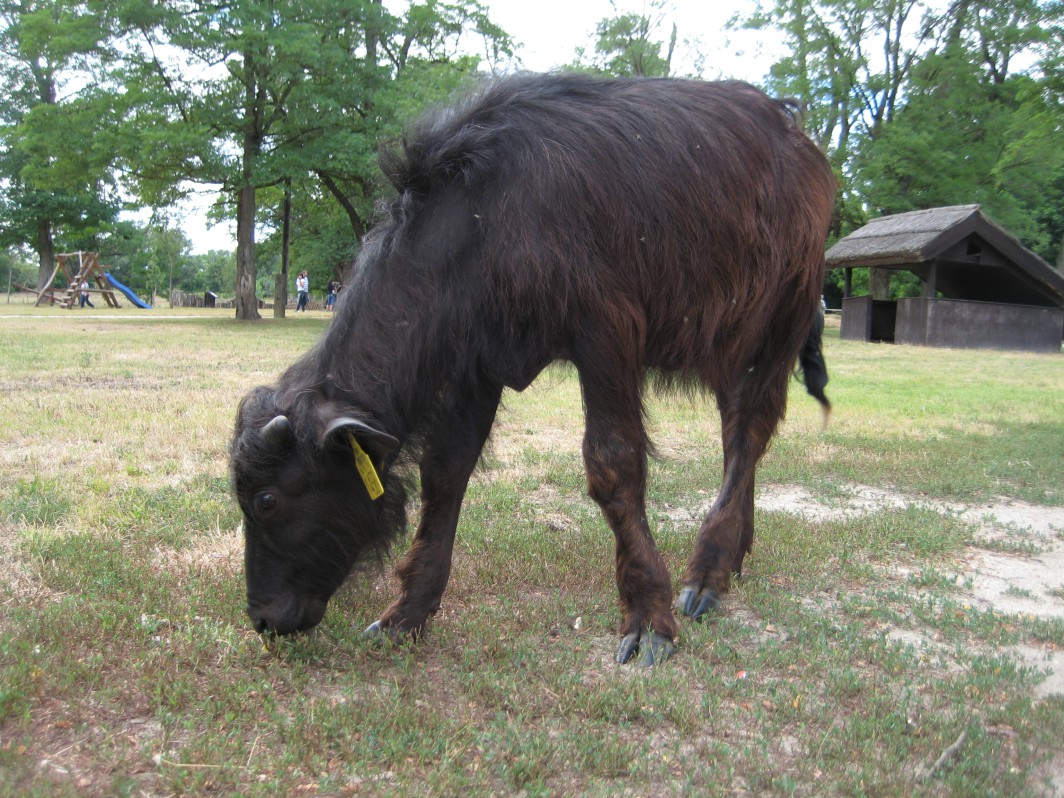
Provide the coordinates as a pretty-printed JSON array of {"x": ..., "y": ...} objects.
[{"x": 127, "y": 667}]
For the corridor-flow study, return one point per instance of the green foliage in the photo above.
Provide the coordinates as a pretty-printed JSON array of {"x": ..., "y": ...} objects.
[
  {"x": 241, "y": 96},
  {"x": 963, "y": 137},
  {"x": 13, "y": 265},
  {"x": 625, "y": 46},
  {"x": 920, "y": 105},
  {"x": 916, "y": 104},
  {"x": 321, "y": 241},
  {"x": 56, "y": 125},
  {"x": 150, "y": 259},
  {"x": 308, "y": 91},
  {"x": 902, "y": 284},
  {"x": 631, "y": 45}
]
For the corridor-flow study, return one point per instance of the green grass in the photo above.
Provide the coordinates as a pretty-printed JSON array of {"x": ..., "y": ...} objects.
[{"x": 847, "y": 658}]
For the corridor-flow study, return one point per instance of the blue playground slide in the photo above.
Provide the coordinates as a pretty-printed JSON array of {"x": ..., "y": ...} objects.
[{"x": 136, "y": 300}]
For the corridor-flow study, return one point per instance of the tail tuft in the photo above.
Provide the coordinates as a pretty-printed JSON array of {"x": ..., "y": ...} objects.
[{"x": 813, "y": 371}]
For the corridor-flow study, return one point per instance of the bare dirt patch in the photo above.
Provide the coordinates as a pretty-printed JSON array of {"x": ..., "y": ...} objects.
[{"x": 1014, "y": 566}]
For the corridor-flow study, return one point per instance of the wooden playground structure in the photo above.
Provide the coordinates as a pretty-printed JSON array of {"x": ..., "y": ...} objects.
[{"x": 88, "y": 270}]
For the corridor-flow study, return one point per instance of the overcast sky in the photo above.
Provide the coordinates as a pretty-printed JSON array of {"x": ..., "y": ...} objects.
[{"x": 548, "y": 33}]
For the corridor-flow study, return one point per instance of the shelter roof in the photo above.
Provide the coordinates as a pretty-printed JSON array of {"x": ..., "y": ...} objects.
[{"x": 975, "y": 258}]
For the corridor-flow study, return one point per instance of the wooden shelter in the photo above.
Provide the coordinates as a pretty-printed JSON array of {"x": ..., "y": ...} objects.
[
  {"x": 982, "y": 287},
  {"x": 77, "y": 268}
]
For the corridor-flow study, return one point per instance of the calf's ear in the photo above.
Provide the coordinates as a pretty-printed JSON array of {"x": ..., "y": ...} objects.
[{"x": 376, "y": 442}]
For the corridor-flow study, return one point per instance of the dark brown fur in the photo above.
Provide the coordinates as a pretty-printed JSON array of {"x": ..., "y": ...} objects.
[{"x": 665, "y": 228}]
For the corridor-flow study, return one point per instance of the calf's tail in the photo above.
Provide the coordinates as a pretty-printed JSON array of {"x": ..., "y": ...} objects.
[{"x": 812, "y": 368}]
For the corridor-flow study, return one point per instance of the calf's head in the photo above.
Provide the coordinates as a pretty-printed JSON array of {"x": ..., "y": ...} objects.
[{"x": 306, "y": 481}]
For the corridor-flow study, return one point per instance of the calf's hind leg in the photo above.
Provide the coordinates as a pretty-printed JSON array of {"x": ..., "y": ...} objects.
[
  {"x": 749, "y": 418},
  {"x": 616, "y": 462}
]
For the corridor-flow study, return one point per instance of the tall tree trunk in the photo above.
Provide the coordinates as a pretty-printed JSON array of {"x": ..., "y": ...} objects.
[
  {"x": 280, "y": 292},
  {"x": 246, "y": 302},
  {"x": 44, "y": 79},
  {"x": 247, "y": 306},
  {"x": 373, "y": 32},
  {"x": 45, "y": 253}
]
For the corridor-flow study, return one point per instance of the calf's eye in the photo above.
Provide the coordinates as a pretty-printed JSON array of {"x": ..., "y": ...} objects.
[{"x": 265, "y": 502}]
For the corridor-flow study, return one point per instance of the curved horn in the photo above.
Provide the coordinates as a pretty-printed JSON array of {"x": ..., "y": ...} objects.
[
  {"x": 381, "y": 442},
  {"x": 277, "y": 432}
]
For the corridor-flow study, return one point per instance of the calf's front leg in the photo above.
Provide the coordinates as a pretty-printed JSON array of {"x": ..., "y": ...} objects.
[{"x": 450, "y": 455}]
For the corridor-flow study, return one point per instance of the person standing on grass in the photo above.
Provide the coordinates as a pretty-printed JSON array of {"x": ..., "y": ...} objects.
[
  {"x": 302, "y": 292},
  {"x": 330, "y": 294},
  {"x": 85, "y": 295}
]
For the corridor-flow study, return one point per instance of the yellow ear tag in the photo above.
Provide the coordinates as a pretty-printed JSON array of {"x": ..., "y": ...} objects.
[{"x": 367, "y": 471}]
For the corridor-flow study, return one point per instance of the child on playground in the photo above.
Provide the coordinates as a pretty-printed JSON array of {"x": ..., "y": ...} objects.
[{"x": 85, "y": 295}]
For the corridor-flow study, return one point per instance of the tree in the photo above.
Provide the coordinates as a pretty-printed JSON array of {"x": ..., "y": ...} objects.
[
  {"x": 919, "y": 105},
  {"x": 629, "y": 45},
  {"x": 151, "y": 259},
  {"x": 849, "y": 64},
  {"x": 401, "y": 66},
  {"x": 322, "y": 241},
  {"x": 973, "y": 130},
  {"x": 266, "y": 93},
  {"x": 51, "y": 56},
  {"x": 15, "y": 271},
  {"x": 211, "y": 83},
  {"x": 213, "y": 271}
]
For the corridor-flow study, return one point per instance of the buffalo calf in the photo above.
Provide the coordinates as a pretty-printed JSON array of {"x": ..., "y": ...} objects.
[{"x": 662, "y": 228}]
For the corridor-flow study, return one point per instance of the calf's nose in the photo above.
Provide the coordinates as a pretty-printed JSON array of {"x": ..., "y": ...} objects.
[
  {"x": 286, "y": 615},
  {"x": 261, "y": 624}
]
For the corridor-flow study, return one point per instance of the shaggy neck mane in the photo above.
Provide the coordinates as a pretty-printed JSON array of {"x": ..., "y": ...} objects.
[{"x": 397, "y": 344}]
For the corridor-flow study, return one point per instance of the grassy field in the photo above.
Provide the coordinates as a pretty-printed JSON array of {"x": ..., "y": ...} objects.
[{"x": 854, "y": 658}]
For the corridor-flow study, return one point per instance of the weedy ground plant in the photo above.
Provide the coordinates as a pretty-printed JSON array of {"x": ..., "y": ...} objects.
[{"x": 897, "y": 630}]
